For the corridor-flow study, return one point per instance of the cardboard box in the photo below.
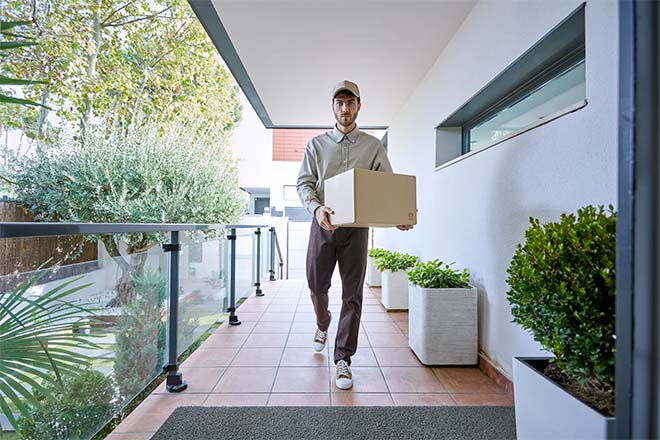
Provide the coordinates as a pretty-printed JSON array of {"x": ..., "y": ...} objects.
[{"x": 363, "y": 198}]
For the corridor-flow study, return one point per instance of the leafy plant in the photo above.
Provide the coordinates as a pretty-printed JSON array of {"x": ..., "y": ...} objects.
[
  {"x": 562, "y": 283},
  {"x": 19, "y": 42},
  {"x": 395, "y": 261},
  {"x": 74, "y": 410},
  {"x": 377, "y": 252},
  {"x": 438, "y": 275},
  {"x": 140, "y": 335},
  {"x": 153, "y": 171},
  {"x": 38, "y": 338}
]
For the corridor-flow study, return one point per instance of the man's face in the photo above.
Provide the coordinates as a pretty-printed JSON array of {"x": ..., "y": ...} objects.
[{"x": 345, "y": 106}]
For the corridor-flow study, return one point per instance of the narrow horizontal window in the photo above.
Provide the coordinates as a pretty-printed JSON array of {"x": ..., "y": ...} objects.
[{"x": 547, "y": 81}]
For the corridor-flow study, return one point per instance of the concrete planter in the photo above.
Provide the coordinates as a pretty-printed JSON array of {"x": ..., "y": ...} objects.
[
  {"x": 544, "y": 410},
  {"x": 373, "y": 274},
  {"x": 394, "y": 293},
  {"x": 442, "y": 326}
]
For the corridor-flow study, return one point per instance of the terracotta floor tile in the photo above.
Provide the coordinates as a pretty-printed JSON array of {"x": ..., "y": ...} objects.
[
  {"x": 279, "y": 307},
  {"x": 396, "y": 357},
  {"x": 365, "y": 380},
  {"x": 299, "y": 399},
  {"x": 237, "y": 399},
  {"x": 258, "y": 357},
  {"x": 412, "y": 380},
  {"x": 305, "y": 317},
  {"x": 381, "y": 327},
  {"x": 467, "y": 380},
  {"x": 301, "y": 340},
  {"x": 421, "y": 399},
  {"x": 372, "y": 308},
  {"x": 362, "y": 399},
  {"x": 484, "y": 399},
  {"x": 302, "y": 380},
  {"x": 390, "y": 340},
  {"x": 265, "y": 340},
  {"x": 376, "y": 317},
  {"x": 199, "y": 380},
  {"x": 210, "y": 357},
  {"x": 225, "y": 340},
  {"x": 277, "y": 316},
  {"x": 246, "y": 380},
  {"x": 247, "y": 316},
  {"x": 303, "y": 327},
  {"x": 304, "y": 357},
  {"x": 244, "y": 327},
  {"x": 142, "y": 422},
  {"x": 363, "y": 357},
  {"x": 272, "y": 327}
]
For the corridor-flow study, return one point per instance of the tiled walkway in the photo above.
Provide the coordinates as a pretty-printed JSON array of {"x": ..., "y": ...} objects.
[{"x": 269, "y": 360}]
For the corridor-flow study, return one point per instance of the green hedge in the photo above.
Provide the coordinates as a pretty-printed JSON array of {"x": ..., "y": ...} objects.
[{"x": 438, "y": 275}]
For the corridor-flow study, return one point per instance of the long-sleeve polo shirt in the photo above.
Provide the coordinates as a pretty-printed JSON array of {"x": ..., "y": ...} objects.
[{"x": 333, "y": 153}]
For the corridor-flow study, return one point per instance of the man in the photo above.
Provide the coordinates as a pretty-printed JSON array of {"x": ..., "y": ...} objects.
[{"x": 338, "y": 150}]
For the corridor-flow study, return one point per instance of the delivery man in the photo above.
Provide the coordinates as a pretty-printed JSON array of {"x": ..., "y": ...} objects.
[{"x": 327, "y": 155}]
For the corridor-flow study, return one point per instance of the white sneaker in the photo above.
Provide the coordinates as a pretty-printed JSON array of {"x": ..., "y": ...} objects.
[
  {"x": 321, "y": 337},
  {"x": 344, "y": 379}
]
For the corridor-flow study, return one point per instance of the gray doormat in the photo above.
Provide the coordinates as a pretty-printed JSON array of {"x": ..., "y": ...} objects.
[{"x": 368, "y": 423}]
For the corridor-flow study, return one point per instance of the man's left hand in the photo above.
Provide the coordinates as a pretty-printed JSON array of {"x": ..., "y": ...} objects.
[{"x": 404, "y": 227}]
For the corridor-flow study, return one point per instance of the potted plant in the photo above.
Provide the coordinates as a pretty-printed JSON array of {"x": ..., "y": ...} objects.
[
  {"x": 442, "y": 315},
  {"x": 373, "y": 274},
  {"x": 394, "y": 294},
  {"x": 562, "y": 283}
]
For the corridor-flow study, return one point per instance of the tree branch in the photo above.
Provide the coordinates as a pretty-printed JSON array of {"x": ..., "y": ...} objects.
[
  {"x": 117, "y": 10},
  {"x": 118, "y": 22}
]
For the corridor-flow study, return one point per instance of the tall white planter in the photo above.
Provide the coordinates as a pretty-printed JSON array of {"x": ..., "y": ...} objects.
[
  {"x": 373, "y": 274},
  {"x": 442, "y": 325},
  {"x": 394, "y": 293},
  {"x": 544, "y": 410}
]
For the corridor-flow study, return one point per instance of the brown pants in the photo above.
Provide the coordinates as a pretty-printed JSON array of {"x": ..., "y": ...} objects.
[{"x": 348, "y": 247}]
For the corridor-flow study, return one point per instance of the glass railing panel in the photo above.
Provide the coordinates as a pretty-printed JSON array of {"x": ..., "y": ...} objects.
[
  {"x": 203, "y": 288},
  {"x": 245, "y": 263},
  {"x": 82, "y": 339}
]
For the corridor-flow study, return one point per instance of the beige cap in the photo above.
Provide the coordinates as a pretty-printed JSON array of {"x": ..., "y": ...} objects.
[{"x": 346, "y": 85}]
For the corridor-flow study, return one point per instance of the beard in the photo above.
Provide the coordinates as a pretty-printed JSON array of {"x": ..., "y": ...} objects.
[{"x": 346, "y": 120}]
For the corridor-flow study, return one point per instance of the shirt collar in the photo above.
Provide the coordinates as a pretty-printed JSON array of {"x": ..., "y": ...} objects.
[{"x": 338, "y": 136}]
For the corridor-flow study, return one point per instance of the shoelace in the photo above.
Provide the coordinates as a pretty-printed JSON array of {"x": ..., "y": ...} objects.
[
  {"x": 343, "y": 369},
  {"x": 321, "y": 335}
]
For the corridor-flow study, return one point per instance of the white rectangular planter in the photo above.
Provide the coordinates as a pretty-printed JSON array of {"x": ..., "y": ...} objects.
[
  {"x": 394, "y": 293},
  {"x": 442, "y": 325},
  {"x": 373, "y": 274},
  {"x": 544, "y": 410}
]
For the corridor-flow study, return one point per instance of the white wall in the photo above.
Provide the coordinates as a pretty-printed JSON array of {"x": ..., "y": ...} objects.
[{"x": 475, "y": 211}]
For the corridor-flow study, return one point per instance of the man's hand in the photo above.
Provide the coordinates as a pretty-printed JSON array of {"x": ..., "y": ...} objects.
[
  {"x": 322, "y": 217},
  {"x": 404, "y": 227}
]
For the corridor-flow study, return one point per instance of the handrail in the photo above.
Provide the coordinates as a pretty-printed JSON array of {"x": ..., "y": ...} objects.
[
  {"x": 175, "y": 382},
  {"x": 53, "y": 229}
]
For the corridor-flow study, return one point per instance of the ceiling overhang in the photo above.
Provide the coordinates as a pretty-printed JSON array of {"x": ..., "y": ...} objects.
[{"x": 287, "y": 55}]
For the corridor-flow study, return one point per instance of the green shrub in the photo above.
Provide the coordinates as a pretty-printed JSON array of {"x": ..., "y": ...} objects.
[
  {"x": 140, "y": 336},
  {"x": 562, "y": 283},
  {"x": 395, "y": 261},
  {"x": 73, "y": 410},
  {"x": 377, "y": 252},
  {"x": 438, "y": 275}
]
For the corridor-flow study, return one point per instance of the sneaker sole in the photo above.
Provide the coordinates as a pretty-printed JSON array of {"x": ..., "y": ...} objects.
[{"x": 343, "y": 385}]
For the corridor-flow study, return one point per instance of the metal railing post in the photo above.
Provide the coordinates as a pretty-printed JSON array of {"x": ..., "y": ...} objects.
[
  {"x": 272, "y": 253},
  {"x": 259, "y": 292},
  {"x": 175, "y": 382},
  {"x": 233, "y": 319}
]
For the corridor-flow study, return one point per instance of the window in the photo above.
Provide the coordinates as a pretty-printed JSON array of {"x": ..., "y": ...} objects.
[{"x": 546, "y": 82}]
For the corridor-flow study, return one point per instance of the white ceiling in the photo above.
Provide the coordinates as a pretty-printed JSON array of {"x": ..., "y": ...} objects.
[{"x": 295, "y": 51}]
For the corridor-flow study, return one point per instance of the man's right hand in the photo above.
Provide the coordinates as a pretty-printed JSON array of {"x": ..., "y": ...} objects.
[{"x": 322, "y": 217}]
